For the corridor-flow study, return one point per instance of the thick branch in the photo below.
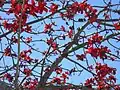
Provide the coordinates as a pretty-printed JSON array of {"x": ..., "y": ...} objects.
[{"x": 60, "y": 58}]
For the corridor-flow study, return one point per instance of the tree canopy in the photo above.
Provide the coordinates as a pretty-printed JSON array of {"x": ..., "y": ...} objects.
[{"x": 60, "y": 44}]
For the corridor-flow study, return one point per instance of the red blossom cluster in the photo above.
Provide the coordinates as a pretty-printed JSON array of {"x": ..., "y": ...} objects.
[
  {"x": 61, "y": 76},
  {"x": 70, "y": 33},
  {"x": 63, "y": 28},
  {"x": 28, "y": 39},
  {"x": 58, "y": 70},
  {"x": 98, "y": 52},
  {"x": 52, "y": 43},
  {"x": 22, "y": 9},
  {"x": 14, "y": 39},
  {"x": 53, "y": 8},
  {"x": 104, "y": 78},
  {"x": 28, "y": 8},
  {"x": 47, "y": 27},
  {"x": 7, "y": 52},
  {"x": 24, "y": 55},
  {"x": 95, "y": 39},
  {"x": 83, "y": 7},
  {"x": 117, "y": 25},
  {"x": 80, "y": 57},
  {"x": 61, "y": 79},
  {"x": 27, "y": 71},
  {"x": 15, "y": 25},
  {"x": 8, "y": 77},
  {"x": 30, "y": 84}
]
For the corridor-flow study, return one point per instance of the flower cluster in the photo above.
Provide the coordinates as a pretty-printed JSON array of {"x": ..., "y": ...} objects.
[
  {"x": 8, "y": 77},
  {"x": 98, "y": 52},
  {"x": 27, "y": 71},
  {"x": 95, "y": 49},
  {"x": 28, "y": 8},
  {"x": 14, "y": 39},
  {"x": 47, "y": 27},
  {"x": 117, "y": 26},
  {"x": 30, "y": 84},
  {"x": 80, "y": 57},
  {"x": 70, "y": 33},
  {"x": 28, "y": 39},
  {"x": 83, "y": 7},
  {"x": 52, "y": 43},
  {"x": 24, "y": 55},
  {"x": 104, "y": 78},
  {"x": 53, "y": 8},
  {"x": 95, "y": 39},
  {"x": 7, "y": 52},
  {"x": 60, "y": 77},
  {"x": 15, "y": 25}
]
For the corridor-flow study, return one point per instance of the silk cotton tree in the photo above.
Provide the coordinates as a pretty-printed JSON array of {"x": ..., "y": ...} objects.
[{"x": 45, "y": 43}]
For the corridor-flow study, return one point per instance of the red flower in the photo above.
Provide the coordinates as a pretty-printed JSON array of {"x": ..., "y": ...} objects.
[
  {"x": 117, "y": 87},
  {"x": 92, "y": 51},
  {"x": 24, "y": 56},
  {"x": 107, "y": 17},
  {"x": 56, "y": 80},
  {"x": 18, "y": 9},
  {"x": 7, "y": 52},
  {"x": 31, "y": 84},
  {"x": 41, "y": 7},
  {"x": 50, "y": 41},
  {"x": 103, "y": 73},
  {"x": 89, "y": 82},
  {"x": 33, "y": 2},
  {"x": 98, "y": 52},
  {"x": 83, "y": 7},
  {"x": 58, "y": 70},
  {"x": 53, "y": 8},
  {"x": 117, "y": 26},
  {"x": 14, "y": 39},
  {"x": 7, "y": 25},
  {"x": 95, "y": 39},
  {"x": 28, "y": 58},
  {"x": 48, "y": 27},
  {"x": 28, "y": 29},
  {"x": 80, "y": 57},
  {"x": 112, "y": 78},
  {"x": 102, "y": 52},
  {"x": 28, "y": 39},
  {"x": 9, "y": 77},
  {"x": 54, "y": 45},
  {"x": 34, "y": 82},
  {"x": 62, "y": 28},
  {"x": 47, "y": 69},
  {"x": 64, "y": 75},
  {"x": 27, "y": 71},
  {"x": 93, "y": 18},
  {"x": 70, "y": 33},
  {"x": 13, "y": 2}
]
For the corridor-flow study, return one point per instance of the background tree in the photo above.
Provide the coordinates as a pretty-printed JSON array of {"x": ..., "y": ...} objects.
[{"x": 45, "y": 43}]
